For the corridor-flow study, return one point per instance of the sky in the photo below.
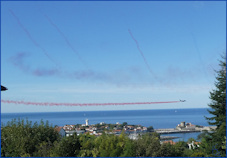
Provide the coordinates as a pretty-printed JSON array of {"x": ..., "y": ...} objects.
[{"x": 106, "y": 51}]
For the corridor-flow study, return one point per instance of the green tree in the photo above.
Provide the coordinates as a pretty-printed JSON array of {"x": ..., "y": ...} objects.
[
  {"x": 87, "y": 143},
  {"x": 206, "y": 146},
  {"x": 67, "y": 147},
  {"x": 202, "y": 135},
  {"x": 124, "y": 123},
  {"x": 190, "y": 140},
  {"x": 218, "y": 108},
  {"x": 198, "y": 154},
  {"x": 181, "y": 148},
  {"x": 224, "y": 144},
  {"x": 109, "y": 145},
  {"x": 44, "y": 149},
  {"x": 129, "y": 149},
  {"x": 22, "y": 138},
  {"x": 167, "y": 150},
  {"x": 147, "y": 145},
  {"x": 150, "y": 129}
]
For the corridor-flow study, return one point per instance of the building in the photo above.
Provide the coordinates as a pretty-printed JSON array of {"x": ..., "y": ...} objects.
[
  {"x": 190, "y": 126},
  {"x": 68, "y": 127},
  {"x": 185, "y": 126},
  {"x": 182, "y": 124},
  {"x": 80, "y": 132},
  {"x": 87, "y": 122},
  {"x": 169, "y": 141},
  {"x": 133, "y": 136},
  {"x": 69, "y": 133},
  {"x": 144, "y": 128},
  {"x": 193, "y": 145},
  {"x": 61, "y": 131}
]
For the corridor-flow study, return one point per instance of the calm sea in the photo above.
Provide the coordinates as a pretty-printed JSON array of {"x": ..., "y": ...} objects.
[{"x": 167, "y": 118}]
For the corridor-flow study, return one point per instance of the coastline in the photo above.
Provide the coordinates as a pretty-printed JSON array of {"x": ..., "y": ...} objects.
[{"x": 159, "y": 119}]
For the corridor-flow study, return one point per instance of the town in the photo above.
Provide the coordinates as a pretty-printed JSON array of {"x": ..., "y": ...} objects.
[
  {"x": 98, "y": 129},
  {"x": 133, "y": 131}
]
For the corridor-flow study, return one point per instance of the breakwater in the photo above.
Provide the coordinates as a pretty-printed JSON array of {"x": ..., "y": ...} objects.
[{"x": 185, "y": 130}]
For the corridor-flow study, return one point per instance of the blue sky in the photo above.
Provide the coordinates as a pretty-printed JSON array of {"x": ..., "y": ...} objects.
[{"x": 82, "y": 52}]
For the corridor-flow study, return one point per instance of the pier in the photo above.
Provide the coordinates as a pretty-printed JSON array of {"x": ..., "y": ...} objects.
[
  {"x": 185, "y": 130},
  {"x": 162, "y": 138}
]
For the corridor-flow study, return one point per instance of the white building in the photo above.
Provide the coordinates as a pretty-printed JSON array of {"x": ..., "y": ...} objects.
[{"x": 87, "y": 122}]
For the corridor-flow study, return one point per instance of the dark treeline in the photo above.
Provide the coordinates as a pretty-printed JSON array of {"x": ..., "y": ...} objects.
[{"x": 21, "y": 138}]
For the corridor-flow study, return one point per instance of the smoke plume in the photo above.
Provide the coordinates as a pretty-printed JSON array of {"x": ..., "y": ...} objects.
[
  {"x": 66, "y": 40},
  {"x": 81, "y": 104},
  {"x": 144, "y": 59},
  {"x": 32, "y": 39}
]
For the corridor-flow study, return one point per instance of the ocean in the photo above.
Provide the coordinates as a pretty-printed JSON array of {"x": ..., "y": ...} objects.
[{"x": 165, "y": 118}]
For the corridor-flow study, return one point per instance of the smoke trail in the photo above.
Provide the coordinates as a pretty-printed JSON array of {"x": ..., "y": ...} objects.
[
  {"x": 81, "y": 104},
  {"x": 45, "y": 72},
  {"x": 66, "y": 40},
  {"x": 145, "y": 61},
  {"x": 32, "y": 39},
  {"x": 18, "y": 61},
  {"x": 200, "y": 58}
]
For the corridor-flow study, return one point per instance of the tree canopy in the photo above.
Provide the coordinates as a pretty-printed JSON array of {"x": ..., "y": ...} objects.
[{"x": 218, "y": 111}]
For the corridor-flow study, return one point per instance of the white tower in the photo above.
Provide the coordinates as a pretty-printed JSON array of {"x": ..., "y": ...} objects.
[{"x": 86, "y": 122}]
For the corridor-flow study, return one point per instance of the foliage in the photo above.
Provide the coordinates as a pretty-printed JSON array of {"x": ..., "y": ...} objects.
[
  {"x": 218, "y": 109},
  {"x": 181, "y": 148},
  {"x": 114, "y": 146},
  {"x": 87, "y": 145},
  {"x": 147, "y": 145},
  {"x": 224, "y": 144},
  {"x": 167, "y": 150},
  {"x": 202, "y": 135},
  {"x": 198, "y": 154},
  {"x": 22, "y": 138},
  {"x": 124, "y": 123},
  {"x": 190, "y": 140},
  {"x": 67, "y": 147},
  {"x": 150, "y": 129}
]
